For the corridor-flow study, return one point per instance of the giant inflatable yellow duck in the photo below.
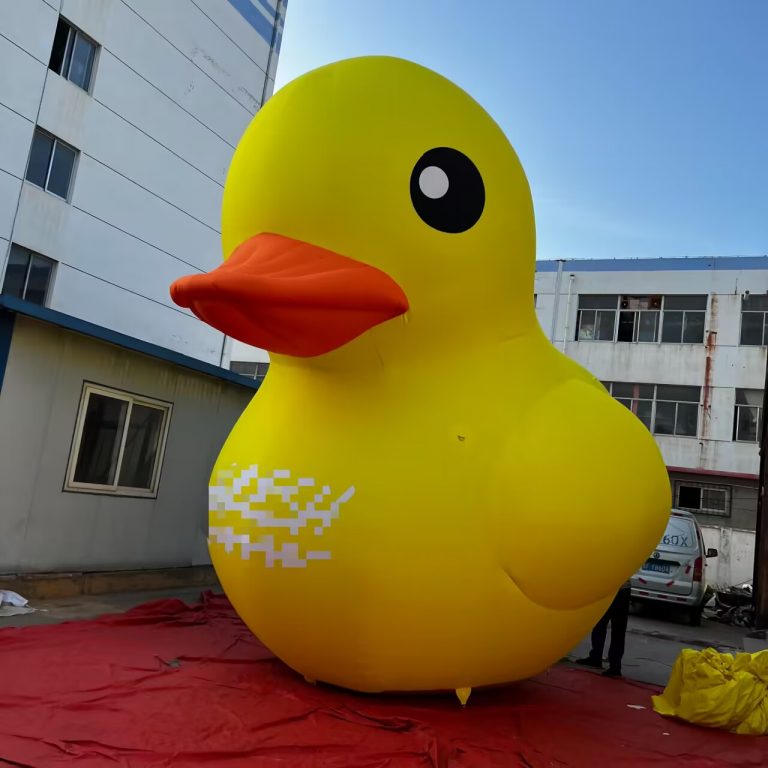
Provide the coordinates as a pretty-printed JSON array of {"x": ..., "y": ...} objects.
[{"x": 424, "y": 494}]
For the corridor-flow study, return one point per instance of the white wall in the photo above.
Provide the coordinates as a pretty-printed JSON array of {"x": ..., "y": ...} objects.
[
  {"x": 174, "y": 86},
  {"x": 736, "y": 555}
]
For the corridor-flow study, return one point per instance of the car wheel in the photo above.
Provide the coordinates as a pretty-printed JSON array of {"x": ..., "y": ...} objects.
[{"x": 694, "y": 616}]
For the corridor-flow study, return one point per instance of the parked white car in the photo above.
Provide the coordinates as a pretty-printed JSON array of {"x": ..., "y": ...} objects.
[{"x": 675, "y": 572}]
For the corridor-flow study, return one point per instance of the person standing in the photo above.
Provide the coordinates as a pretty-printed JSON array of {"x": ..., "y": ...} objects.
[{"x": 618, "y": 616}]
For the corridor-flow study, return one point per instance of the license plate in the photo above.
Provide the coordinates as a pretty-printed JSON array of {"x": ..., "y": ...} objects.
[{"x": 656, "y": 567}]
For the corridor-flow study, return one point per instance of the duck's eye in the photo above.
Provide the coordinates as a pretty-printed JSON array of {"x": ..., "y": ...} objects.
[{"x": 447, "y": 190}]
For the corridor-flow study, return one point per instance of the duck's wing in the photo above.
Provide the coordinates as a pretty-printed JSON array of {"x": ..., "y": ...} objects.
[{"x": 580, "y": 495}]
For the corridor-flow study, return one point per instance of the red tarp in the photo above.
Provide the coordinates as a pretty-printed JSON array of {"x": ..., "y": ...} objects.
[{"x": 169, "y": 685}]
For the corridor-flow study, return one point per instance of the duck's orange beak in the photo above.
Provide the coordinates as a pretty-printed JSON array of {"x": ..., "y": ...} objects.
[{"x": 291, "y": 297}]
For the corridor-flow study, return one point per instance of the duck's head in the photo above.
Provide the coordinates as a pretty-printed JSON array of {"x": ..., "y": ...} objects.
[{"x": 366, "y": 191}]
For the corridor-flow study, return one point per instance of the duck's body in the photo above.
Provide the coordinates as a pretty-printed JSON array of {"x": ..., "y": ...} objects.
[{"x": 424, "y": 494}]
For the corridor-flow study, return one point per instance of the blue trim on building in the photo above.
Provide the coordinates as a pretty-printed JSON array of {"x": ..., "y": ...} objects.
[
  {"x": 256, "y": 18},
  {"x": 12, "y": 305},
  {"x": 716, "y": 263},
  {"x": 6, "y": 335},
  {"x": 266, "y": 5}
]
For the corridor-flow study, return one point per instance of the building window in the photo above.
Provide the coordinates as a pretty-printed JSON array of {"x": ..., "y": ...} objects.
[
  {"x": 704, "y": 499},
  {"x": 639, "y": 318},
  {"x": 596, "y": 319},
  {"x": 119, "y": 443},
  {"x": 677, "y": 319},
  {"x": 637, "y": 397},
  {"x": 747, "y": 419},
  {"x": 28, "y": 275},
  {"x": 683, "y": 321},
  {"x": 73, "y": 55},
  {"x": 754, "y": 329},
  {"x": 252, "y": 370},
  {"x": 677, "y": 410},
  {"x": 51, "y": 164},
  {"x": 665, "y": 410}
]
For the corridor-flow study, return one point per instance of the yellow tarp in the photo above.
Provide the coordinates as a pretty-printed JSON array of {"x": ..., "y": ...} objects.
[{"x": 718, "y": 690}]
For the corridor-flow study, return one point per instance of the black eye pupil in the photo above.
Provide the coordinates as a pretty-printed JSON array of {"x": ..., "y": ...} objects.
[{"x": 447, "y": 190}]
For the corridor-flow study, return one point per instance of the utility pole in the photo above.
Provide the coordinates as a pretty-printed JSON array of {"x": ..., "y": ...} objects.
[{"x": 760, "y": 576}]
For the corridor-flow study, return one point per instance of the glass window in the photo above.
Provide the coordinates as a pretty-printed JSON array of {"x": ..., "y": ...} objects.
[
  {"x": 669, "y": 392},
  {"x": 40, "y": 158},
  {"x": 638, "y": 318},
  {"x": 683, "y": 321},
  {"x": 604, "y": 327},
  {"x": 28, "y": 275},
  {"x": 680, "y": 534},
  {"x": 752, "y": 328},
  {"x": 686, "y": 302},
  {"x": 61, "y": 170},
  {"x": 687, "y": 419},
  {"x": 253, "y": 370},
  {"x": 755, "y": 302},
  {"x": 141, "y": 445},
  {"x": 648, "y": 327},
  {"x": 622, "y": 389},
  {"x": 645, "y": 412},
  {"x": 596, "y": 319},
  {"x": 72, "y": 54},
  {"x": 664, "y": 409},
  {"x": 754, "y": 317},
  {"x": 119, "y": 443},
  {"x": 16, "y": 272},
  {"x": 693, "y": 327},
  {"x": 638, "y": 398},
  {"x": 747, "y": 422},
  {"x": 587, "y": 301},
  {"x": 666, "y": 414},
  {"x": 677, "y": 410},
  {"x": 100, "y": 438},
  {"x": 51, "y": 163}
]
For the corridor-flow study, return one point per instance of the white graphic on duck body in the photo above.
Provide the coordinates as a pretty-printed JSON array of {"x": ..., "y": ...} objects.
[{"x": 230, "y": 502}]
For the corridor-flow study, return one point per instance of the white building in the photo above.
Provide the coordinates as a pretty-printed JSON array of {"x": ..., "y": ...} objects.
[
  {"x": 681, "y": 342},
  {"x": 118, "y": 121}
]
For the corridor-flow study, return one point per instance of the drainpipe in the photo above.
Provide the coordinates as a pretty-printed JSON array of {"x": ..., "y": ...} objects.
[
  {"x": 568, "y": 309},
  {"x": 556, "y": 308}
]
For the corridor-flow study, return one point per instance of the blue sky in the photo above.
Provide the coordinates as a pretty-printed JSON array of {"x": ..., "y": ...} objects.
[{"x": 642, "y": 124}]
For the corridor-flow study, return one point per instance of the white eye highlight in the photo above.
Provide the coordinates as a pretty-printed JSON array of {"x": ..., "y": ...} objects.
[{"x": 433, "y": 182}]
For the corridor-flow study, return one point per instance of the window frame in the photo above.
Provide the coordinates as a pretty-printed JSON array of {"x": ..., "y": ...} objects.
[
  {"x": 260, "y": 372},
  {"x": 661, "y": 312},
  {"x": 637, "y": 313},
  {"x": 75, "y": 163},
  {"x": 580, "y": 311},
  {"x": 115, "y": 489},
  {"x": 759, "y": 422},
  {"x": 636, "y": 399},
  {"x": 763, "y": 312},
  {"x": 704, "y": 487},
  {"x": 73, "y": 32},
  {"x": 30, "y": 256}
]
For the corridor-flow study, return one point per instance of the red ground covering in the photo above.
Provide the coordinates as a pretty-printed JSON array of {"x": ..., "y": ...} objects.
[{"x": 169, "y": 685}]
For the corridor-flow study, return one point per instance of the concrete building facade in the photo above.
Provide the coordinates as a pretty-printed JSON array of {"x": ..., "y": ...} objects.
[
  {"x": 681, "y": 343},
  {"x": 119, "y": 119}
]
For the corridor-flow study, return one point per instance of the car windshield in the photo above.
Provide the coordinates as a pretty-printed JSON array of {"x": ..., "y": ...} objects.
[{"x": 680, "y": 535}]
